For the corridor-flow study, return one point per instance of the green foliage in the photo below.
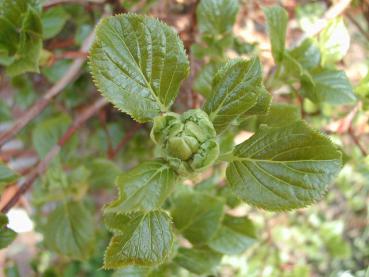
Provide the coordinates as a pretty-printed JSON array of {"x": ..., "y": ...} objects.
[
  {"x": 53, "y": 21},
  {"x": 197, "y": 216},
  {"x": 144, "y": 188},
  {"x": 6, "y": 235},
  {"x": 139, "y": 238},
  {"x": 180, "y": 203},
  {"x": 6, "y": 176},
  {"x": 277, "y": 19},
  {"x": 21, "y": 35},
  {"x": 68, "y": 230},
  {"x": 135, "y": 72},
  {"x": 283, "y": 168}
]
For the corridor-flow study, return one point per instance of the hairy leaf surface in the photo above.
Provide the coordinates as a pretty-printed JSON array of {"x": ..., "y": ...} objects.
[
  {"x": 140, "y": 239},
  {"x": 283, "y": 168},
  {"x": 235, "y": 90},
  {"x": 138, "y": 63},
  {"x": 143, "y": 188}
]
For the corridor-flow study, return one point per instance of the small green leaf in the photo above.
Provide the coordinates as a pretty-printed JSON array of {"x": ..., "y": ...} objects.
[
  {"x": 6, "y": 235},
  {"x": 280, "y": 115},
  {"x": 140, "y": 239},
  {"x": 329, "y": 86},
  {"x": 143, "y": 188},
  {"x": 197, "y": 215},
  {"x": 20, "y": 36},
  {"x": 277, "y": 19},
  {"x": 283, "y": 168},
  {"x": 6, "y": 176},
  {"x": 234, "y": 236},
  {"x": 235, "y": 90},
  {"x": 334, "y": 41},
  {"x": 199, "y": 261},
  {"x": 216, "y": 17},
  {"x": 53, "y": 21},
  {"x": 307, "y": 54},
  {"x": 70, "y": 230},
  {"x": 138, "y": 63},
  {"x": 205, "y": 78}
]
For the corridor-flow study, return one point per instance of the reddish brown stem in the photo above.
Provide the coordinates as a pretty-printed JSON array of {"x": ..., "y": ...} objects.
[
  {"x": 356, "y": 140},
  {"x": 42, "y": 165}
]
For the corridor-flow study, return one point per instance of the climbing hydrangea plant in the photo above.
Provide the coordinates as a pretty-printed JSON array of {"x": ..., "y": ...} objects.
[{"x": 138, "y": 64}]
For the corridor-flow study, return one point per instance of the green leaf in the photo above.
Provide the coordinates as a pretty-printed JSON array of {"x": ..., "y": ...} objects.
[
  {"x": 198, "y": 261},
  {"x": 216, "y": 17},
  {"x": 6, "y": 176},
  {"x": 70, "y": 231},
  {"x": 132, "y": 271},
  {"x": 277, "y": 19},
  {"x": 197, "y": 215},
  {"x": 205, "y": 78},
  {"x": 6, "y": 235},
  {"x": 329, "y": 86},
  {"x": 307, "y": 54},
  {"x": 334, "y": 41},
  {"x": 283, "y": 168},
  {"x": 234, "y": 236},
  {"x": 235, "y": 90},
  {"x": 262, "y": 103},
  {"x": 47, "y": 133},
  {"x": 20, "y": 36},
  {"x": 138, "y": 64},
  {"x": 103, "y": 173},
  {"x": 53, "y": 21},
  {"x": 143, "y": 188},
  {"x": 140, "y": 239},
  {"x": 280, "y": 115}
]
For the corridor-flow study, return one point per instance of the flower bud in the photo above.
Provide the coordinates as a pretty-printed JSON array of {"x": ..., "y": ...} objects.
[{"x": 187, "y": 141}]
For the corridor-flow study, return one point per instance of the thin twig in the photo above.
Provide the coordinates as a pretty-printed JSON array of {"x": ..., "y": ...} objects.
[
  {"x": 82, "y": 2},
  {"x": 42, "y": 165},
  {"x": 356, "y": 140},
  {"x": 126, "y": 138},
  {"x": 40, "y": 105}
]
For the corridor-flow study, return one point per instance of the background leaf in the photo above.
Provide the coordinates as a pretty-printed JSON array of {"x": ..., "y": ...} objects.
[
  {"x": 277, "y": 19},
  {"x": 197, "y": 215},
  {"x": 234, "y": 236},
  {"x": 53, "y": 21},
  {"x": 68, "y": 231},
  {"x": 216, "y": 16},
  {"x": 329, "y": 86}
]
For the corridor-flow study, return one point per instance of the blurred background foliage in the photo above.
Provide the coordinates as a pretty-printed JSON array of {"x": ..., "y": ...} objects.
[{"x": 330, "y": 238}]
